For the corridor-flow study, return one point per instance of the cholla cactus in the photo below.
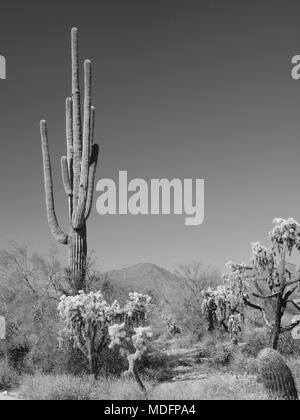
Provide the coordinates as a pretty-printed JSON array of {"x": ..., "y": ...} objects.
[
  {"x": 137, "y": 306},
  {"x": 225, "y": 306},
  {"x": 78, "y": 170},
  {"x": 209, "y": 308},
  {"x": 172, "y": 327},
  {"x": 86, "y": 318},
  {"x": 276, "y": 375},
  {"x": 267, "y": 272},
  {"x": 132, "y": 343},
  {"x": 89, "y": 322},
  {"x": 286, "y": 234}
]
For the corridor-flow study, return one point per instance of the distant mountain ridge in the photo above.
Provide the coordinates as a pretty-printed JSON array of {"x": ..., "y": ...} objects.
[
  {"x": 142, "y": 270},
  {"x": 144, "y": 278}
]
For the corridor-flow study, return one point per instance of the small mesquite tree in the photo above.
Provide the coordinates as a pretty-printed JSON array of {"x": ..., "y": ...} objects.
[
  {"x": 268, "y": 273},
  {"x": 78, "y": 170},
  {"x": 87, "y": 319},
  {"x": 196, "y": 278}
]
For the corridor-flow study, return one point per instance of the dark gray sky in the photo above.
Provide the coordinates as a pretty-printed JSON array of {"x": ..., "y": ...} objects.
[{"x": 188, "y": 89}]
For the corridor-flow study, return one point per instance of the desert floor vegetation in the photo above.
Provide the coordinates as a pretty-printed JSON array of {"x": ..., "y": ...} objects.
[{"x": 131, "y": 339}]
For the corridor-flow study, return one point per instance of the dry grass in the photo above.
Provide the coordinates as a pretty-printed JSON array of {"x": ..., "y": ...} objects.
[
  {"x": 216, "y": 387},
  {"x": 65, "y": 387}
]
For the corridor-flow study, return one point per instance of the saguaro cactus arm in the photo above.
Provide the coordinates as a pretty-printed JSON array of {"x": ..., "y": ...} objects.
[
  {"x": 69, "y": 136},
  {"x": 77, "y": 129},
  {"x": 70, "y": 158},
  {"x": 56, "y": 231},
  {"x": 65, "y": 175},
  {"x": 91, "y": 183},
  {"x": 85, "y": 159}
]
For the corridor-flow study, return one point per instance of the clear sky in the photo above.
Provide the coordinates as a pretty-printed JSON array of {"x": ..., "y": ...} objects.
[{"x": 187, "y": 89}]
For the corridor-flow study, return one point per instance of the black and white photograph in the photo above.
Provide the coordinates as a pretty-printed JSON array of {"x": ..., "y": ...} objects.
[{"x": 149, "y": 182}]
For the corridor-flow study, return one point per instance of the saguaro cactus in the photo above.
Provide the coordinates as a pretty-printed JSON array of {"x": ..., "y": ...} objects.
[
  {"x": 78, "y": 170},
  {"x": 276, "y": 375}
]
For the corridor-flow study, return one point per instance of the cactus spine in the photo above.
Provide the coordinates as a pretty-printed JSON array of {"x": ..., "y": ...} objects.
[
  {"x": 78, "y": 170},
  {"x": 276, "y": 375}
]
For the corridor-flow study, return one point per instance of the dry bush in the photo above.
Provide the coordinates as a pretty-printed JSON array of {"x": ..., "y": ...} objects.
[
  {"x": 287, "y": 346},
  {"x": 220, "y": 354},
  {"x": 9, "y": 378},
  {"x": 185, "y": 341},
  {"x": 67, "y": 387},
  {"x": 255, "y": 341},
  {"x": 243, "y": 364}
]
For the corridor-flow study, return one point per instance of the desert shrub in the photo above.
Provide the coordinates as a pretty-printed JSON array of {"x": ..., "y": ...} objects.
[
  {"x": 60, "y": 387},
  {"x": 211, "y": 339},
  {"x": 242, "y": 363},
  {"x": 67, "y": 387},
  {"x": 67, "y": 360},
  {"x": 287, "y": 346},
  {"x": 17, "y": 356},
  {"x": 254, "y": 319},
  {"x": 185, "y": 341},
  {"x": 124, "y": 389},
  {"x": 9, "y": 378},
  {"x": 155, "y": 366},
  {"x": 255, "y": 342},
  {"x": 186, "y": 308},
  {"x": 112, "y": 364},
  {"x": 16, "y": 346},
  {"x": 221, "y": 354}
]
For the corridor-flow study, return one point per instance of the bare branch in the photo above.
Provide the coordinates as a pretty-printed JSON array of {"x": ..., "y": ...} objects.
[
  {"x": 289, "y": 293},
  {"x": 289, "y": 327},
  {"x": 265, "y": 297},
  {"x": 254, "y": 306},
  {"x": 293, "y": 303},
  {"x": 290, "y": 283}
]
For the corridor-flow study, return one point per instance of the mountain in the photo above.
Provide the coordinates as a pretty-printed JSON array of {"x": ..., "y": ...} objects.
[
  {"x": 144, "y": 278},
  {"x": 144, "y": 275}
]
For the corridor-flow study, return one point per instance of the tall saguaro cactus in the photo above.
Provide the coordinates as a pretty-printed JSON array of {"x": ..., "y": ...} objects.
[{"x": 78, "y": 170}]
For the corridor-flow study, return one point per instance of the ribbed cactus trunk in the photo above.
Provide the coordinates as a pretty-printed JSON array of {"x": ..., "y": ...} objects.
[
  {"x": 77, "y": 257},
  {"x": 276, "y": 376},
  {"x": 78, "y": 171}
]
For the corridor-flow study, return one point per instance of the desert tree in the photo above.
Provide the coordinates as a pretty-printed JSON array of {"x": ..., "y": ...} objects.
[
  {"x": 29, "y": 292},
  {"x": 267, "y": 277},
  {"x": 196, "y": 278}
]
